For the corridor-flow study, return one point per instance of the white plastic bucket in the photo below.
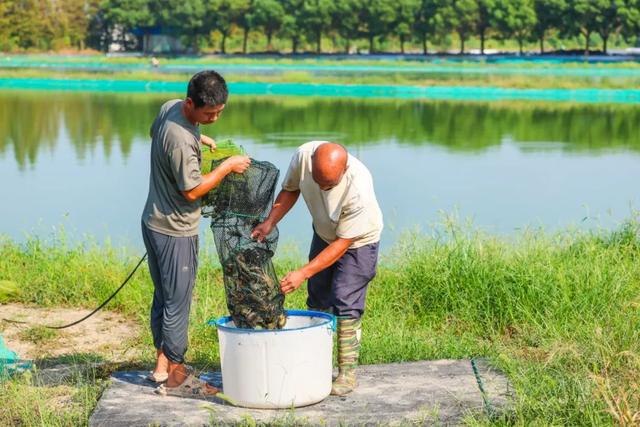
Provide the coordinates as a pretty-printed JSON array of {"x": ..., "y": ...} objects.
[{"x": 283, "y": 368}]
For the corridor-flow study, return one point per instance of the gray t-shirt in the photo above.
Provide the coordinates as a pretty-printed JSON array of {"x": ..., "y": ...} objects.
[{"x": 175, "y": 167}]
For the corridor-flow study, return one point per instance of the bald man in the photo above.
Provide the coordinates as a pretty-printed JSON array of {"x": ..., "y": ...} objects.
[{"x": 347, "y": 222}]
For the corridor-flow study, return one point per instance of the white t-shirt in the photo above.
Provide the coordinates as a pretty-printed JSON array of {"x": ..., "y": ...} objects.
[{"x": 349, "y": 210}]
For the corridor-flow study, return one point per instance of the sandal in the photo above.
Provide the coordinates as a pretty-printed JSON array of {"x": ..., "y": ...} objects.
[{"x": 191, "y": 387}]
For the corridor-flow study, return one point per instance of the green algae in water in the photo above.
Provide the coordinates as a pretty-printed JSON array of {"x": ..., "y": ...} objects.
[
  {"x": 210, "y": 160},
  {"x": 224, "y": 148}
]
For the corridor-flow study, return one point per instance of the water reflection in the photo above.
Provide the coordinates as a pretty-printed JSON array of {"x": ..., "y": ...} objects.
[{"x": 33, "y": 121}]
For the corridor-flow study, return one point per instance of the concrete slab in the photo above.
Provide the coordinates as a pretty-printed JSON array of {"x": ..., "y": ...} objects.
[{"x": 426, "y": 392}]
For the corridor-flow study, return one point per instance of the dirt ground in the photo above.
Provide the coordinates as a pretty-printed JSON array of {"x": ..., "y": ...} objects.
[{"x": 107, "y": 334}]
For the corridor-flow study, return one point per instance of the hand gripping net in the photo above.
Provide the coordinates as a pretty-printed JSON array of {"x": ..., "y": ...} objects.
[{"x": 236, "y": 206}]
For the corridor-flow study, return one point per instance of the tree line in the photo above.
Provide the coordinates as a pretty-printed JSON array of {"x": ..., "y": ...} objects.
[{"x": 60, "y": 24}]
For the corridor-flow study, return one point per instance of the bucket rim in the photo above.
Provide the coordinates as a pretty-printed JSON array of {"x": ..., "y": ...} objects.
[{"x": 329, "y": 319}]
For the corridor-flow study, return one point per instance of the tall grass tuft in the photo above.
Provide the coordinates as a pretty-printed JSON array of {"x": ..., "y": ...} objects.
[{"x": 8, "y": 290}]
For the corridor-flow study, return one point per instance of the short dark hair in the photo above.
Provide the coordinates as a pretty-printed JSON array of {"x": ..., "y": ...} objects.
[{"x": 207, "y": 88}]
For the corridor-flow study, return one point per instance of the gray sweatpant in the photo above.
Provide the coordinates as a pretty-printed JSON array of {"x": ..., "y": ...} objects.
[{"x": 173, "y": 263}]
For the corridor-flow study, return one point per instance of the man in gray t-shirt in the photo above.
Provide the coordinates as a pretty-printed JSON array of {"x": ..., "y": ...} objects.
[
  {"x": 175, "y": 167},
  {"x": 170, "y": 222}
]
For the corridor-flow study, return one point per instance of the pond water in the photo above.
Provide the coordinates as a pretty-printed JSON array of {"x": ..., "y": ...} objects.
[{"x": 80, "y": 160}]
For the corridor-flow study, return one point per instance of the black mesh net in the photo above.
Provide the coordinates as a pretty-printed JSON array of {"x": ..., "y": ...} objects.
[{"x": 236, "y": 206}]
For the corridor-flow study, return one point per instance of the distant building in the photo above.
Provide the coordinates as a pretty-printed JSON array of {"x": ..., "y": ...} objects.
[
  {"x": 148, "y": 40},
  {"x": 119, "y": 40},
  {"x": 158, "y": 40}
]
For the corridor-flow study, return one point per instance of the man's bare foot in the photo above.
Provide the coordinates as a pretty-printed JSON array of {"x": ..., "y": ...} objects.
[
  {"x": 177, "y": 374},
  {"x": 162, "y": 364}
]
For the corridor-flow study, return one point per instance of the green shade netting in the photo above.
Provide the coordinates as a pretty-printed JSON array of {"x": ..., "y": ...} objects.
[{"x": 8, "y": 359}]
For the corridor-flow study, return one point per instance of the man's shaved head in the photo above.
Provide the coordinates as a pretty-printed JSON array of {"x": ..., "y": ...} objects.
[{"x": 329, "y": 164}]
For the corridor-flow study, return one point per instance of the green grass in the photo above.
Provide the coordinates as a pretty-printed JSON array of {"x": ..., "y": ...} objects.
[
  {"x": 38, "y": 335},
  {"x": 559, "y": 313},
  {"x": 451, "y": 61},
  {"x": 69, "y": 404},
  {"x": 500, "y": 81},
  {"x": 8, "y": 289},
  {"x": 508, "y": 77}
]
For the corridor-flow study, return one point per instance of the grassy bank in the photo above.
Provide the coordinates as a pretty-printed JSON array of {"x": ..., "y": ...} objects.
[
  {"x": 514, "y": 74},
  {"x": 558, "y": 313},
  {"x": 452, "y": 61},
  {"x": 497, "y": 81}
]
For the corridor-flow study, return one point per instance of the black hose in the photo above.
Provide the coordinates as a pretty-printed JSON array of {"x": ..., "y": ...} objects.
[{"x": 94, "y": 311}]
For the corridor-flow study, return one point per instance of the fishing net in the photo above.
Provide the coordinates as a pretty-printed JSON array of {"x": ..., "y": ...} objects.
[{"x": 236, "y": 206}]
